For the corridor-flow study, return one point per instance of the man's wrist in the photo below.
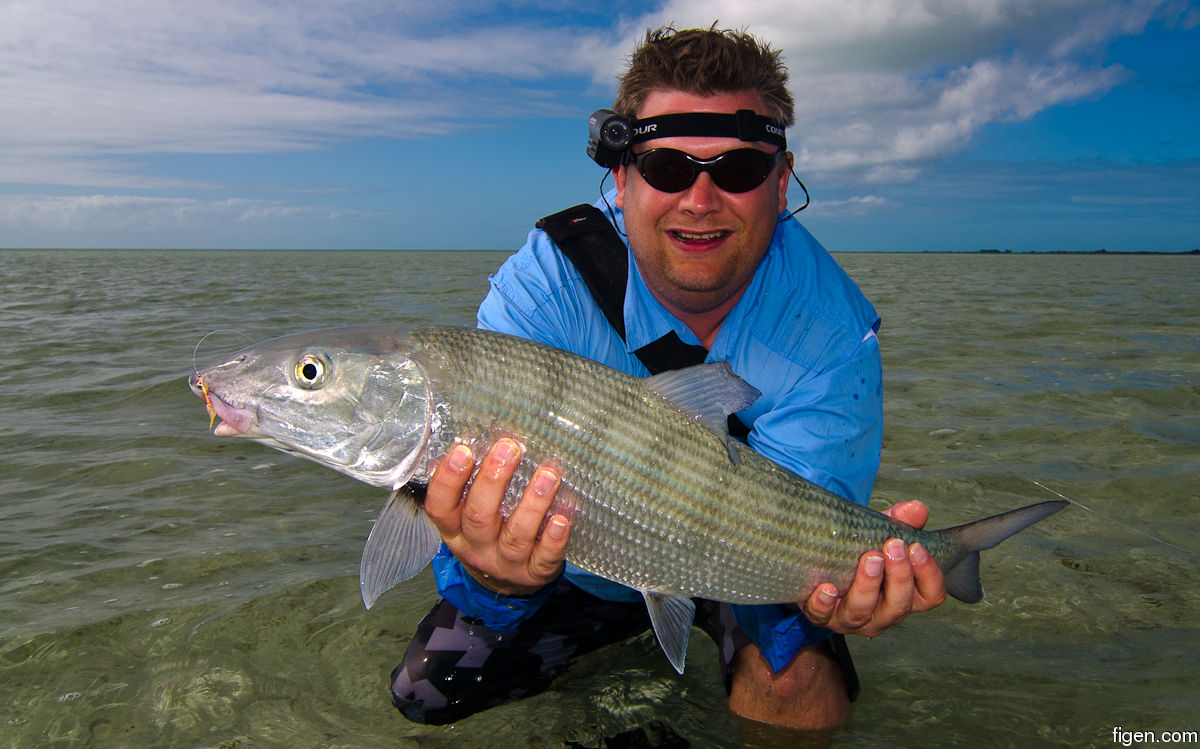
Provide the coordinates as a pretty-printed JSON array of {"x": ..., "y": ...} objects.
[{"x": 497, "y": 586}]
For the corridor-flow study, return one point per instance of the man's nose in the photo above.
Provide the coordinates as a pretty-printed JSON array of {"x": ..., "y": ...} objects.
[{"x": 702, "y": 196}]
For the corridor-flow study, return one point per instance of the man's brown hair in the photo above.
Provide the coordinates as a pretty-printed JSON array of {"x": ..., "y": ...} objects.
[{"x": 705, "y": 62}]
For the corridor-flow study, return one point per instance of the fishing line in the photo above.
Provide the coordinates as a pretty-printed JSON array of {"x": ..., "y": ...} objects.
[
  {"x": 1081, "y": 505},
  {"x": 195, "y": 369}
]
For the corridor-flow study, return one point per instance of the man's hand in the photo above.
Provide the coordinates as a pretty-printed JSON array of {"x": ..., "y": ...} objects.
[
  {"x": 508, "y": 557},
  {"x": 886, "y": 587}
]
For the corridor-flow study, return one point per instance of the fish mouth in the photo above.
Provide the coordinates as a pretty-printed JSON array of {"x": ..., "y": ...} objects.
[{"x": 234, "y": 421}]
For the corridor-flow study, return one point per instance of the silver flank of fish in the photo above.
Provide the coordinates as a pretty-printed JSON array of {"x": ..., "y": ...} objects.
[
  {"x": 655, "y": 499},
  {"x": 660, "y": 498}
]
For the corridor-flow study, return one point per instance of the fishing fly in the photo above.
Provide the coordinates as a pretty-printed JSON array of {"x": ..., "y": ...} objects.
[
  {"x": 212, "y": 412},
  {"x": 208, "y": 404}
]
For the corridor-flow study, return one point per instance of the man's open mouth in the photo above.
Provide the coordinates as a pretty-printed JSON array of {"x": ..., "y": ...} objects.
[{"x": 690, "y": 237}]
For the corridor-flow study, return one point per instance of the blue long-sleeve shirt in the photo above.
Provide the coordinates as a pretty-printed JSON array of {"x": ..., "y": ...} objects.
[{"x": 802, "y": 333}]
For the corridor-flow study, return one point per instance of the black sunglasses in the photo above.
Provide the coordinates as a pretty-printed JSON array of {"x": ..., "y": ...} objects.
[{"x": 739, "y": 170}]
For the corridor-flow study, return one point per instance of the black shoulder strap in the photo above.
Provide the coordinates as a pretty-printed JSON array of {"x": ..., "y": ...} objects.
[
  {"x": 584, "y": 234},
  {"x": 590, "y": 241}
]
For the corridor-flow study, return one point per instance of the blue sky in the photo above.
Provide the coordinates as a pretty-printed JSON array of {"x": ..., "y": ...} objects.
[{"x": 921, "y": 124}]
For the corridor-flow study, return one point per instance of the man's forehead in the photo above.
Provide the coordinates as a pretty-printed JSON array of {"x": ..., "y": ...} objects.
[{"x": 672, "y": 101}]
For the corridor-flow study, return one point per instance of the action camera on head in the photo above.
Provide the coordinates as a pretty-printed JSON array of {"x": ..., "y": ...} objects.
[{"x": 610, "y": 135}]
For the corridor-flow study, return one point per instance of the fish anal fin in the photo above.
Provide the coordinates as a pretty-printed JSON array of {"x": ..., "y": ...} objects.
[
  {"x": 672, "y": 617},
  {"x": 402, "y": 542}
]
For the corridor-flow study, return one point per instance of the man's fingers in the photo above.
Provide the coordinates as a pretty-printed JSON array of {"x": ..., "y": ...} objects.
[
  {"x": 519, "y": 533},
  {"x": 547, "y": 557},
  {"x": 912, "y": 513},
  {"x": 886, "y": 589},
  {"x": 445, "y": 491},
  {"x": 928, "y": 578},
  {"x": 897, "y": 586},
  {"x": 481, "y": 510},
  {"x": 859, "y": 602},
  {"x": 821, "y": 604},
  {"x": 523, "y": 540}
]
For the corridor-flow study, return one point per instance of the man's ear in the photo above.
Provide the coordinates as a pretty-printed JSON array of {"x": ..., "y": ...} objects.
[
  {"x": 785, "y": 176},
  {"x": 620, "y": 174}
]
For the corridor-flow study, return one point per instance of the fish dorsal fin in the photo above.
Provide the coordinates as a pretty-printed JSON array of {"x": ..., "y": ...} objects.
[
  {"x": 672, "y": 617},
  {"x": 708, "y": 393},
  {"x": 402, "y": 542}
]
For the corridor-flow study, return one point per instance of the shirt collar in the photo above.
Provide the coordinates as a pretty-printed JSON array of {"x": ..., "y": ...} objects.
[{"x": 646, "y": 319}]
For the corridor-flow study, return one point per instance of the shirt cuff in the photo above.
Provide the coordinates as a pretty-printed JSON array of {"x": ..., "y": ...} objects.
[{"x": 497, "y": 612}]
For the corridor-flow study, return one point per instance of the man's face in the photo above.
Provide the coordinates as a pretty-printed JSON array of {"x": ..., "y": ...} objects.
[{"x": 699, "y": 248}]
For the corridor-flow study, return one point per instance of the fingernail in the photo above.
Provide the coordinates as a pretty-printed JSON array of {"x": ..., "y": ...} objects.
[
  {"x": 557, "y": 528},
  {"x": 460, "y": 457},
  {"x": 543, "y": 483},
  {"x": 505, "y": 451},
  {"x": 895, "y": 550},
  {"x": 918, "y": 554},
  {"x": 874, "y": 566},
  {"x": 825, "y": 596}
]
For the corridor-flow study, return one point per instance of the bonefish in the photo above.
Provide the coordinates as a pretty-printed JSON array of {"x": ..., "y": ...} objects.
[{"x": 660, "y": 497}]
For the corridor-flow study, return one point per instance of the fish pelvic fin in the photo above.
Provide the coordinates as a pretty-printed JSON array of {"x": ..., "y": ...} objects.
[
  {"x": 962, "y": 579},
  {"x": 672, "y": 617},
  {"x": 707, "y": 393},
  {"x": 402, "y": 541}
]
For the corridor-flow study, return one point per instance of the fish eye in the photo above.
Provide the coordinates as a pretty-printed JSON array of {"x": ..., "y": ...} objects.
[{"x": 312, "y": 370}]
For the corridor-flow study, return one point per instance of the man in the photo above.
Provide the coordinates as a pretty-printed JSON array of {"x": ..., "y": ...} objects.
[{"x": 712, "y": 262}]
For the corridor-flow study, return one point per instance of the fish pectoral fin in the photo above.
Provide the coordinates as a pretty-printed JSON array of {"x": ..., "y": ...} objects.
[
  {"x": 708, "y": 393},
  {"x": 402, "y": 542},
  {"x": 672, "y": 617}
]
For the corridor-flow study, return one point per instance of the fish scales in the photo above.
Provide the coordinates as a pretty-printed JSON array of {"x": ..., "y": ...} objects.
[
  {"x": 582, "y": 397},
  {"x": 660, "y": 498},
  {"x": 523, "y": 380},
  {"x": 659, "y": 505}
]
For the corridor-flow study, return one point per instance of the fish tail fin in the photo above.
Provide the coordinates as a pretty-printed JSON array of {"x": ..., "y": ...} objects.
[{"x": 962, "y": 579}]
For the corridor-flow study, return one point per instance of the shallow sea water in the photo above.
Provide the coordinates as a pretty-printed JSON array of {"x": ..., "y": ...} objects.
[{"x": 162, "y": 587}]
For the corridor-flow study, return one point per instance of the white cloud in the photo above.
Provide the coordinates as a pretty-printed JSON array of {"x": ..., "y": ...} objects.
[
  {"x": 148, "y": 216},
  {"x": 86, "y": 80},
  {"x": 876, "y": 125},
  {"x": 877, "y": 82},
  {"x": 91, "y": 88},
  {"x": 884, "y": 86},
  {"x": 861, "y": 205},
  {"x": 890, "y": 174}
]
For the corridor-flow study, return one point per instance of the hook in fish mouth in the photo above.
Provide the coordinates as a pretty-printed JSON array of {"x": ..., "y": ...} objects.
[{"x": 234, "y": 421}]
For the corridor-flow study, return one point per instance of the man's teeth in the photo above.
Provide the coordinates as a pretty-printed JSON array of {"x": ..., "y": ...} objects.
[{"x": 707, "y": 237}]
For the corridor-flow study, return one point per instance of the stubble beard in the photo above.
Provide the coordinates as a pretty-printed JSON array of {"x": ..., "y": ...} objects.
[{"x": 697, "y": 290}]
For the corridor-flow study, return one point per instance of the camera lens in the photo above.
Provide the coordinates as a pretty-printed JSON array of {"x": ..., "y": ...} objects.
[{"x": 614, "y": 133}]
